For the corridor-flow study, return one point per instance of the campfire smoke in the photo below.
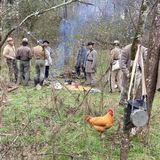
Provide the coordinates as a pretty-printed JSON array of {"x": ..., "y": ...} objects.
[{"x": 73, "y": 26}]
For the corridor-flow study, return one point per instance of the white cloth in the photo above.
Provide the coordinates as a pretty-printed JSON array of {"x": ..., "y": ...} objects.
[{"x": 48, "y": 61}]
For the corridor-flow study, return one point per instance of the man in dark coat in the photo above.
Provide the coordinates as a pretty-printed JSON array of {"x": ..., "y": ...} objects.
[
  {"x": 24, "y": 55},
  {"x": 81, "y": 57}
]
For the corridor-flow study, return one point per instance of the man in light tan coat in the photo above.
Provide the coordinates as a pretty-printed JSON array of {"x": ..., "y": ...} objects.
[
  {"x": 115, "y": 72},
  {"x": 90, "y": 66},
  {"x": 40, "y": 55},
  {"x": 9, "y": 53},
  {"x": 125, "y": 65}
]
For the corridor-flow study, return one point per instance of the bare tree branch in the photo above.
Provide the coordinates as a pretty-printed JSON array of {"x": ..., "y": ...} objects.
[
  {"x": 34, "y": 14},
  {"x": 87, "y": 3},
  {"x": 129, "y": 11}
]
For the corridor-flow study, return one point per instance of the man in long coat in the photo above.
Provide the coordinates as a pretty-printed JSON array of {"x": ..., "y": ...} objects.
[
  {"x": 125, "y": 65},
  {"x": 90, "y": 66},
  {"x": 115, "y": 73}
]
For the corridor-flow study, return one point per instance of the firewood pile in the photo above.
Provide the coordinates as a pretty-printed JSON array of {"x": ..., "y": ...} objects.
[
  {"x": 68, "y": 74},
  {"x": 4, "y": 89},
  {"x": 3, "y": 94},
  {"x": 7, "y": 87}
]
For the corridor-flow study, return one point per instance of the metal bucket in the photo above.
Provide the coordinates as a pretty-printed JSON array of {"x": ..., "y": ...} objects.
[{"x": 139, "y": 117}]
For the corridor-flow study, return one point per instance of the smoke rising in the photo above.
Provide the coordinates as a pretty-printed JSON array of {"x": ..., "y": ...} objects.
[{"x": 72, "y": 28}]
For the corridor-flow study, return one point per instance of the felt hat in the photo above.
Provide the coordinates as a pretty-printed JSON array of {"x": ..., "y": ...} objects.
[
  {"x": 46, "y": 41},
  {"x": 116, "y": 42},
  {"x": 90, "y": 43},
  {"x": 24, "y": 40},
  {"x": 9, "y": 39}
]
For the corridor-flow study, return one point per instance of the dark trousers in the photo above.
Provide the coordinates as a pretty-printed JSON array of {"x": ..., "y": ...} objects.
[
  {"x": 24, "y": 72},
  {"x": 40, "y": 68},
  {"x": 46, "y": 72},
  {"x": 78, "y": 71},
  {"x": 13, "y": 70}
]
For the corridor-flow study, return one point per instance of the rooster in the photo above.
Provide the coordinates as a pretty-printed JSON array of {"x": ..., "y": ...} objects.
[{"x": 101, "y": 123}]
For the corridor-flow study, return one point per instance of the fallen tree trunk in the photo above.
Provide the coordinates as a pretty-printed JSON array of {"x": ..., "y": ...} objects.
[{"x": 12, "y": 88}]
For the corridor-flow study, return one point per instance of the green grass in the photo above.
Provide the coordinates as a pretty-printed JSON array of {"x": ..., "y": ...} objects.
[
  {"x": 53, "y": 128},
  {"x": 74, "y": 135}
]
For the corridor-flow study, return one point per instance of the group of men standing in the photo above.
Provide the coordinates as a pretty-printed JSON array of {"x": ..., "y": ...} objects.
[
  {"x": 42, "y": 53},
  {"x": 21, "y": 75},
  {"x": 122, "y": 61},
  {"x": 120, "y": 64},
  {"x": 86, "y": 61}
]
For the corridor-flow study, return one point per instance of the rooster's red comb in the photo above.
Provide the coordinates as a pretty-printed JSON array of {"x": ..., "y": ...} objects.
[{"x": 110, "y": 110}]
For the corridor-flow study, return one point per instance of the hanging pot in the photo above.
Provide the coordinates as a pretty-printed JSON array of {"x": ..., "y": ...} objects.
[
  {"x": 139, "y": 114},
  {"x": 139, "y": 117}
]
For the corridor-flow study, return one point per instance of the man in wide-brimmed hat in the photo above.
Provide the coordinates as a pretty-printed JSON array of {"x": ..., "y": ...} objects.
[
  {"x": 48, "y": 62},
  {"x": 115, "y": 68},
  {"x": 91, "y": 65},
  {"x": 24, "y": 55},
  {"x": 9, "y": 52}
]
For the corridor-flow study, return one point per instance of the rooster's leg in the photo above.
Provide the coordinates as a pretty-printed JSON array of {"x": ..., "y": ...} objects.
[{"x": 102, "y": 135}]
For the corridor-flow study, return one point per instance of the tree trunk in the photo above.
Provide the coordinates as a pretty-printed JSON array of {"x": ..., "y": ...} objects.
[
  {"x": 153, "y": 56},
  {"x": 144, "y": 10},
  {"x": 153, "y": 59},
  {"x": 125, "y": 142}
]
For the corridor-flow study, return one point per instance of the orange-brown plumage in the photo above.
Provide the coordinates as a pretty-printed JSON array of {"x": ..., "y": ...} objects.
[{"x": 101, "y": 123}]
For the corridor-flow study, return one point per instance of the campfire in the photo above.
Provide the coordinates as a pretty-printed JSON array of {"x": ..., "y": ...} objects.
[{"x": 68, "y": 75}]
